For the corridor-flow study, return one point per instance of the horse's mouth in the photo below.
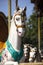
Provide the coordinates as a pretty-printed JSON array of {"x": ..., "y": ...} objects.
[{"x": 19, "y": 32}]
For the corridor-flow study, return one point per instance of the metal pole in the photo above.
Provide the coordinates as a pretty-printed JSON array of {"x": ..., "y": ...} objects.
[
  {"x": 39, "y": 32},
  {"x": 16, "y": 4},
  {"x": 9, "y": 14}
]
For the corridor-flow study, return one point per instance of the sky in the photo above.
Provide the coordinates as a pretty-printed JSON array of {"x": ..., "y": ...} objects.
[{"x": 21, "y": 3}]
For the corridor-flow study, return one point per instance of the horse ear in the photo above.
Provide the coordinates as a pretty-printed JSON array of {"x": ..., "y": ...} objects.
[
  {"x": 25, "y": 8},
  {"x": 24, "y": 11},
  {"x": 17, "y": 8}
]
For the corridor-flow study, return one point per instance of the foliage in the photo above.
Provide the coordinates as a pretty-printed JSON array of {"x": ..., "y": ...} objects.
[{"x": 31, "y": 35}]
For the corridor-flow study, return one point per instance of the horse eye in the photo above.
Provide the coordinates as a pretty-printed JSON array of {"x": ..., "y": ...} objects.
[{"x": 17, "y": 19}]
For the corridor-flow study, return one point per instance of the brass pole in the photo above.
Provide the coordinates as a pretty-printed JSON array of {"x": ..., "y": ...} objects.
[
  {"x": 9, "y": 14},
  {"x": 39, "y": 32}
]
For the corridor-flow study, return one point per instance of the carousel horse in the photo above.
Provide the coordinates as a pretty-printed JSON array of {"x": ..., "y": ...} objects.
[
  {"x": 14, "y": 48},
  {"x": 31, "y": 54},
  {"x": 34, "y": 55}
]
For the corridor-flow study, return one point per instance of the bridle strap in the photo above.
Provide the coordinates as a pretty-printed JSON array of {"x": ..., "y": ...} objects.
[{"x": 19, "y": 26}]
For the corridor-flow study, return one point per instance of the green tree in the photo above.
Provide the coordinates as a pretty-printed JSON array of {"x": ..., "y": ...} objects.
[{"x": 31, "y": 35}]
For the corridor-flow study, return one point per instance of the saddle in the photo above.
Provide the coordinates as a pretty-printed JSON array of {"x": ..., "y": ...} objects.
[{"x": 2, "y": 46}]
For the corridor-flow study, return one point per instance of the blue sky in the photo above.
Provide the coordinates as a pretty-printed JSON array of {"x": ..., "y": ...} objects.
[{"x": 21, "y": 3}]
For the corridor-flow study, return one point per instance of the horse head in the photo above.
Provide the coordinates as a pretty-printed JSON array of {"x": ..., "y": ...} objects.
[
  {"x": 33, "y": 51},
  {"x": 19, "y": 19}
]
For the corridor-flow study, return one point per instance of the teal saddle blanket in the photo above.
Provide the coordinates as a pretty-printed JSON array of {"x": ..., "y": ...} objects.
[{"x": 16, "y": 55}]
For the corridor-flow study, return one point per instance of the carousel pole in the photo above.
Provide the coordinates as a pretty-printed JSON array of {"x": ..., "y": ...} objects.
[
  {"x": 16, "y": 4},
  {"x": 39, "y": 31},
  {"x": 9, "y": 14}
]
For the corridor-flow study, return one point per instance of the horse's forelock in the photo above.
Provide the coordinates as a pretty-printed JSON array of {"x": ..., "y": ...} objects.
[{"x": 20, "y": 11}]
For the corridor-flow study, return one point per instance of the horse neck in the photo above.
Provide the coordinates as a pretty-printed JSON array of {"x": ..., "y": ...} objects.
[{"x": 13, "y": 38}]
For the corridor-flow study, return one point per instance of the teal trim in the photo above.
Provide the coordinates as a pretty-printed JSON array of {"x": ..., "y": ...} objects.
[
  {"x": 0, "y": 58},
  {"x": 16, "y": 55}
]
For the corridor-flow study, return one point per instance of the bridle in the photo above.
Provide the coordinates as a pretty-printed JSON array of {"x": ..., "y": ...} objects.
[{"x": 18, "y": 26}]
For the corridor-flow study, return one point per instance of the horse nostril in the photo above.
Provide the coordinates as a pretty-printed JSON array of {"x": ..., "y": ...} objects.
[{"x": 22, "y": 21}]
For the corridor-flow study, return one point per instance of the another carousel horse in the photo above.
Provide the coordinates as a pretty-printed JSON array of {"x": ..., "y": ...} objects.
[
  {"x": 31, "y": 54},
  {"x": 34, "y": 54},
  {"x": 14, "y": 49}
]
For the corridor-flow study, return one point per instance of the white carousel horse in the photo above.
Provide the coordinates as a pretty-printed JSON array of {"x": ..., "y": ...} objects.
[{"x": 14, "y": 50}]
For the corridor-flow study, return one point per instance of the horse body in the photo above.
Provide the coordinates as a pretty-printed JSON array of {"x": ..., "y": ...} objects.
[{"x": 14, "y": 50}]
